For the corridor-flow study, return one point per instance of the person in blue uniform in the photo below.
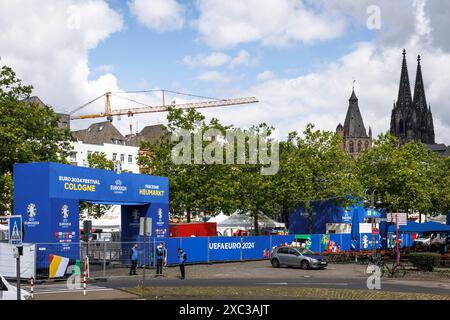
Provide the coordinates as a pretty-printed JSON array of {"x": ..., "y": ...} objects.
[
  {"x": 182, "y": 257},
  {"x": 160, "y": 257},
  {"x": 134, "y": 256}
]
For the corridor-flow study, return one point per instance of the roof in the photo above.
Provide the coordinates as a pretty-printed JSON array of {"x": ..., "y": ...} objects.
[
  {"x": 422, "y": 227},
  {"x": 440, "y": 148},
  {"x": 246, "y": 220},
  {"x": 64, "y": 119},
  {"x": 149, "y": 134},
  {"x": 354, "y": 125},
  {"x": 100, "y": 133}
]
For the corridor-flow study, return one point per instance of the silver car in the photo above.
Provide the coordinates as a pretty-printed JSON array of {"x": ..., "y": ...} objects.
[{"x": 297, "y": 257}]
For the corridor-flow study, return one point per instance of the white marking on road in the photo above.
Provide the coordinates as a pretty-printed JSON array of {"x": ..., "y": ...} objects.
[
  {"x": 62, "y": 288},
  {"x": 274, "y": 283},
  {"x": 69, "y": 291}
]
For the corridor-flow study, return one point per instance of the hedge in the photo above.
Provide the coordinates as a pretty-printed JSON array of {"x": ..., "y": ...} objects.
[{"x": 425, "y": 261}]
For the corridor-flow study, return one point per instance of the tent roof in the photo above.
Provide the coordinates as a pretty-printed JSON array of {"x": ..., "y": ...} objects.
[
  {"x": 422, "y": 227},
  {"x": 246, "y": 220},
  {"x": 219, "y": 218}
]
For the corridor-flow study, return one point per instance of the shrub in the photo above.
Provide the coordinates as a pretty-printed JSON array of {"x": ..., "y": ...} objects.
[{"x": 425, "y": 261}]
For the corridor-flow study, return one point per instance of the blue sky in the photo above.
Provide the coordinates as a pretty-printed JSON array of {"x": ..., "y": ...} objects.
[
  {"x": 143, "y": 58},
  {"x": 298, "y": 57}
]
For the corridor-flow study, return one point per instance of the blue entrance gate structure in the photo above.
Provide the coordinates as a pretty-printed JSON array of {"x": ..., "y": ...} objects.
[{"x": 47, "y": 196}]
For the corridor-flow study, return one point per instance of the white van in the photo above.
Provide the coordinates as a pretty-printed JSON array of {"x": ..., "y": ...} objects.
[{"x": 9, "y": 292}]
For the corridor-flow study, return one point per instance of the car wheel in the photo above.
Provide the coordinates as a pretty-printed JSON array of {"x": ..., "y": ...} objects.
[
  {"x": 304, "y": 265},
  {"x": 275, "y": 263}
]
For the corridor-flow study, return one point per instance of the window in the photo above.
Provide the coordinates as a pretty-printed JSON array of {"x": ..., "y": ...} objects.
[
  {"x": 130, "y": 158},
  {"x": 122, "y": 158},
  {"x": 283, "y": 250},
  {"x": 89, "y": 153},
  {"x": 73, "y": 157},
  {"x": 114, "y": 156},
  {"x": 367, "y": 145},
  {"x": 351, "y": 147},
  {"x": 359, "y": 146},
  {"x": 293, "y": 252}
]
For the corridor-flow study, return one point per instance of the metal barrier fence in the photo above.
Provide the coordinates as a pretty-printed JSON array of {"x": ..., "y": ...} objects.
[{"x": 108, "y": 259}]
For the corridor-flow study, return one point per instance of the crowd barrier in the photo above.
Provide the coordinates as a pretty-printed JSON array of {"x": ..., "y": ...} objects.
[{"x": 106, "y": 257}]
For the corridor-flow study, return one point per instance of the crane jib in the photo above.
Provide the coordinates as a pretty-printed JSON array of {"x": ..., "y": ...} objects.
[{"x": 150, "y": 109}]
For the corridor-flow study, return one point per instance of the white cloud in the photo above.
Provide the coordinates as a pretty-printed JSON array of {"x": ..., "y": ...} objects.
[
  {"x": 322, "y": 97},
  {"x": 242, "y": 58},
  {"x": 215, "y": 59},
  {"x": 159, "y": 15},
  {"x": 47, "y": 45},
  {"x": 265, "y": 75},
  {"x": 225, "y": 24},
  {"x": 213, "y": 76}
]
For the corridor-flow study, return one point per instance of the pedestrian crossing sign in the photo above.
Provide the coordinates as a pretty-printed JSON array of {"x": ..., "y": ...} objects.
[{"x": 15, "y": 230}]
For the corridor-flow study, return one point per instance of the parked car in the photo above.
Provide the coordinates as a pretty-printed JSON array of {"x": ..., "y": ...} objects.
[
  {"x": 432, "y": 241},
  {"x": 297, "y": 257},
  {"x": 9, "y": 292}
]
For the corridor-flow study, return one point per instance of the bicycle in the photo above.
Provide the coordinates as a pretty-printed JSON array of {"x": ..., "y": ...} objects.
[{"x": 391, "y": 271}]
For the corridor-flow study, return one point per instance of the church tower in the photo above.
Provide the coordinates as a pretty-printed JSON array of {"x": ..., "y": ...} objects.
[
  {"x": 411, "y": 119},
  {"x": 354, "y": 135}
]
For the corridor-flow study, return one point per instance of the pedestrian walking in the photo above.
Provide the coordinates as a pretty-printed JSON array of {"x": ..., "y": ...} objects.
[
  {"x": 182, "y": 257},
  {"x": 134, "y": 256},
  {"x": 160, "y": 257}
]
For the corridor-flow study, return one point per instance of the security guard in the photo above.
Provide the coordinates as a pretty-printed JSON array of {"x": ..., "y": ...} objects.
[
  {"x": 160, "y": 256},
  {"x": 134, "y": 256}
]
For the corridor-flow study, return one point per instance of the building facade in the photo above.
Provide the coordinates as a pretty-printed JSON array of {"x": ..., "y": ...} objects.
[
  {"x": 355, "y": 139},
  {"x": 411, "y": 118}
]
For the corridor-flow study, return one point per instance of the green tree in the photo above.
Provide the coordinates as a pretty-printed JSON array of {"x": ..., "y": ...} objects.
[
  {"x": 188, "y": 184},
  {"x": 98, "y": 161},
  {"x": 409, "y": 177},
  {"x": 314, "y": 167},
  {"x": 28, "y": 132}
]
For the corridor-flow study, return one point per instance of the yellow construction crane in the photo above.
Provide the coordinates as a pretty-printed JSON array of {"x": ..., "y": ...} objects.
[{"x": 109, "y": 113}]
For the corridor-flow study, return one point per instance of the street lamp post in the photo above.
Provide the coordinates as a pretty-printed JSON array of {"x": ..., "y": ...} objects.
[{"x": 373, "y": 220}]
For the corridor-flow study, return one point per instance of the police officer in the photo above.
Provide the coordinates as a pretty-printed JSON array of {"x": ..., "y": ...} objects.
[
  {"x": 182, "y": 259},
  {"x": 134, "y": 259},
  {"x": 160, "y": 256}
]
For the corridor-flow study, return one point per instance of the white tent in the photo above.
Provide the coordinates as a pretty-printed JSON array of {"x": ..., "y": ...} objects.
[
  {"x": 245, "y": 221},
  {"x": 109, "y": 222},
  {"x": 219, "y": 218}
]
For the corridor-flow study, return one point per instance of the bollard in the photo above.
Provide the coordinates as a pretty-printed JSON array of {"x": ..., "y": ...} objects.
[
  {"x": 32, "y": 287},
  {"x": 84, "y": 283}
]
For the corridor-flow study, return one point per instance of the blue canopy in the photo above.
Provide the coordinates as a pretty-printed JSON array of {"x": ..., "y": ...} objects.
[{"x": 421, "y": 227}]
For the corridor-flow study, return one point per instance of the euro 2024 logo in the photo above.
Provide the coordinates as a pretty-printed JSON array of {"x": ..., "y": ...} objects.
[
  {"x": 65, "y": 211},
  {"x": 31, "y": 210}
]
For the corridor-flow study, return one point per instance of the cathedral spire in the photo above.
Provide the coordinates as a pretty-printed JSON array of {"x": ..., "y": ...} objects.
[
  {"x": 420, "y": 101},
  {"x": 404, "y": 91}
]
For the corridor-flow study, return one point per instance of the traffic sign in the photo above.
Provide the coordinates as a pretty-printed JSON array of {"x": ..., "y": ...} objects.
[
  {"x": 402, "y": 218},
  {"x": 15, "y": 230},
  {"x": 145, "y": 224}
]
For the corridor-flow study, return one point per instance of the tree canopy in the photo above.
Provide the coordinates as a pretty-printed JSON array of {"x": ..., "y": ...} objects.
[{"x": 28, "y": 132}]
